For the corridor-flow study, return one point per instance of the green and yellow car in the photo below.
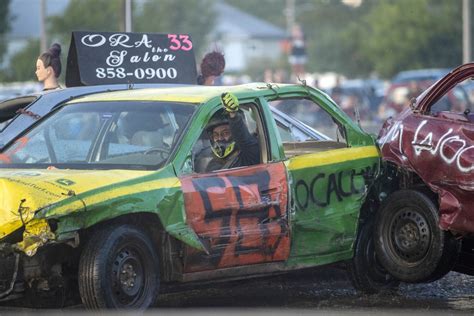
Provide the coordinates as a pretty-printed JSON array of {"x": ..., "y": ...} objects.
[{"x": 107, "y": 194}]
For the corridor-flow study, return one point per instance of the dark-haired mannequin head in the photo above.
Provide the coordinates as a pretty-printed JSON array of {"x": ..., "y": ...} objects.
[{"x": 48, "y": 67}]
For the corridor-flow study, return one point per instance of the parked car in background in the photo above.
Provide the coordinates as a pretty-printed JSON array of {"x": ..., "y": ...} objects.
[
  {"x": 400, "y": 95},
  {"x": 120, "y": 204},
  {"x": 367, "y": 92},
  {"x": 425, "y": 226},
  {"x": 430, "y": 74},
  {"x": 8, "y": 91},
  {"x": 408, "y": 85}
]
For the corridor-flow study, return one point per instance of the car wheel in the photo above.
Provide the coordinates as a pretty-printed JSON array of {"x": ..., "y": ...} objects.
[
  {"x": 449, "y": 258},
  {"x": 366, "y": 273},
  {"x": 119, "y": 269},
  {"x": 408, "y": 241}
]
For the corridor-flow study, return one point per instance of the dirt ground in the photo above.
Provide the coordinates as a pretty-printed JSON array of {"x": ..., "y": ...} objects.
[
  {"x": 328, "y": 289},
  {"x": 321, "y": 291}
]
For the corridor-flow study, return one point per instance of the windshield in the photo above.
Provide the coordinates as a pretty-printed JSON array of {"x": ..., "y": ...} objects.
[{"x": 103, "y": 135}]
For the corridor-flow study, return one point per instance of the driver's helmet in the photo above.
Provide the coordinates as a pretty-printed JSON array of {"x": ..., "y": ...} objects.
[{"x": 221, "y": 149}]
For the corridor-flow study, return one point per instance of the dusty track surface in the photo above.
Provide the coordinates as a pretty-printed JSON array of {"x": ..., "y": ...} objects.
[
  {"x": 322, "y": 291},
  {"x": 328, "y": 289}
]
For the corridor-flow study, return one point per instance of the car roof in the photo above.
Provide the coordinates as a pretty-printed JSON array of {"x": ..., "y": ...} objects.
[
  {"x": 187, "y": 94},
  {"x": 420, "y": 74},
  {"x": 71, "y": 92}
]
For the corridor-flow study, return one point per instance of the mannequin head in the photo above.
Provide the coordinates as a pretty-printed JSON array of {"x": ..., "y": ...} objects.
[{"x": 48, "y": 67}]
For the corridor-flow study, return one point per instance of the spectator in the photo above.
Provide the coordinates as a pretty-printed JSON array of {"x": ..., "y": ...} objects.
[
  {"x": 336, "y": 91},
  {"x": 297, "y": 57},
  {"x": 212, "y": 66}
]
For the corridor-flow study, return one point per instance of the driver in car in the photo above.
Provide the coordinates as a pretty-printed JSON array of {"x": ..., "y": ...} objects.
[{"x": 232, "y": 144}]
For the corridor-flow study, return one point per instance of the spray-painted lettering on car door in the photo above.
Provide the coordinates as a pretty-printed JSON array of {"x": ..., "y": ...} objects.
[{"x": 239, "y": 215}]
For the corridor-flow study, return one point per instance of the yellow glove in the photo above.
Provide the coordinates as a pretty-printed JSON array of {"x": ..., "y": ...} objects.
[{"x": 230, "y": 102}]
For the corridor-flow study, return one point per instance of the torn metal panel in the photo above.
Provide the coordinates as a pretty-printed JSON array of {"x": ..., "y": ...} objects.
[{"x": 37, "y": 233}]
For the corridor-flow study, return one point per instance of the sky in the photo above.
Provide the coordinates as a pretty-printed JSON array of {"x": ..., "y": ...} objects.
[{"x": 26, "y": 16}]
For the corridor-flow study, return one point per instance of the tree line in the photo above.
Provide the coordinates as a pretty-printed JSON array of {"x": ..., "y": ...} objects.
[{"x": 378, "y": 37}]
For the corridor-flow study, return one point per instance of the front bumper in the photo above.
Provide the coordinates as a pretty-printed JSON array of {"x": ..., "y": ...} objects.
[{"x": 9, "y": 270}]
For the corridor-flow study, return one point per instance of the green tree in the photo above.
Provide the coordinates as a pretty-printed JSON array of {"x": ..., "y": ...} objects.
[
  {"x": 332, "y": 39},
  {"x": 272, "y": 11},
  {"x": 381, "y": 36},
  {"x": 87, "y": 15},
  {"x": 23, "y": 64},
  {"x": 413, "y": 34},
  {"x": 165, "y": 16},
  {"x": 5, "y": 20},
  {"x": 185, "y": 16}
]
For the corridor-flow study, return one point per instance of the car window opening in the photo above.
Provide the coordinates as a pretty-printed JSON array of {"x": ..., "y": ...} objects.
[{"x": 100, "y": 134}]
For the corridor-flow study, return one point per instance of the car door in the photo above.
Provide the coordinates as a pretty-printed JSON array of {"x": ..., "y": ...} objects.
[
  {"x": 240, "y": 215},
  {"x": 329, "y": 179}
]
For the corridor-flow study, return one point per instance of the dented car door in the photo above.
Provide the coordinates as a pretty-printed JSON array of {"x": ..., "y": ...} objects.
[{"x": 240, "y": 216}]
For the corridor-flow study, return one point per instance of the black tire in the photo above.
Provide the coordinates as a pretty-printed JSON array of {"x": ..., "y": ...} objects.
[
  {"x": 449, "y": 258},
  {"x": 366, "y": 273},
  {"x": 119, "y": 269},
  {"x": 408, "y": 241}
]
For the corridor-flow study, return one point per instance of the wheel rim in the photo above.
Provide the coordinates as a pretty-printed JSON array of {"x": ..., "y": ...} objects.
[
  {"x": 128, "y": 276},
  {"x": 409, "y": 235}
]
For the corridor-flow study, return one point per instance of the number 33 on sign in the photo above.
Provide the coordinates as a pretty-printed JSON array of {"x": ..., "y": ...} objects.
[{"x": 180, "y": 42}]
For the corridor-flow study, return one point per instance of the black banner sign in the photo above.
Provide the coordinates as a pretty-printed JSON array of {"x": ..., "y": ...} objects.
[{"x": 106, "y": 58}]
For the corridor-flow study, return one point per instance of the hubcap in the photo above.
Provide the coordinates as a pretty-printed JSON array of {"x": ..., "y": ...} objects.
[
  {"x": 410, "y": 235},
  {"x": 127, "y": 277}
]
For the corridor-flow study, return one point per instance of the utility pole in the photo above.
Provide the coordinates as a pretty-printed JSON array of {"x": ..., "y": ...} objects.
[
  {"x": 127, "y": 7},
  {"x": 43, "y": 35},
  {"x": 466, "y": 31},
  {"x": 290, "y": 15}
]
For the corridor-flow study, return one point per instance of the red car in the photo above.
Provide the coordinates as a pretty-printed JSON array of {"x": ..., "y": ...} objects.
[{"x": 425, "y": 224}]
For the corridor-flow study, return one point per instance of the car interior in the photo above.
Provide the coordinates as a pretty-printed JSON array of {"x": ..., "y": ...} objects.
[
  {"x": 10, "y": 108},
  {"x": 202, "y": 152}
]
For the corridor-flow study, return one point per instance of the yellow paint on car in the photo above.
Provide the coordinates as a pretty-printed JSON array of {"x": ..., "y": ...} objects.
[
  {"x": 332, "y": 157},
  {"x": 37, "y": 233},
  {"x": 122, "y": 191},
  {"x": 30, "y": 191},
  {"x": 186, "y": 94}
]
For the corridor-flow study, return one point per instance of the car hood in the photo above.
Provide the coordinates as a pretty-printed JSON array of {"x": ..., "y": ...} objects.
[{"x": 24, "y": 192}]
